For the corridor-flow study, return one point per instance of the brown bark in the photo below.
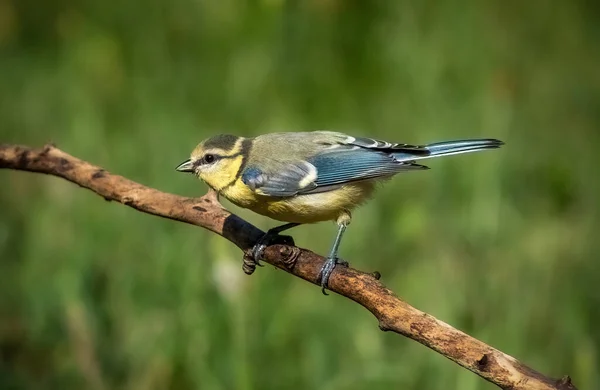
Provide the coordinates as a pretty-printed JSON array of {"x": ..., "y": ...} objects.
[{"x": 393, "y": 313}]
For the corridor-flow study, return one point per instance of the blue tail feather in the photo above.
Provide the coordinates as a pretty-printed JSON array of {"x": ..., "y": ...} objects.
[{"x": 451, "y": 147}]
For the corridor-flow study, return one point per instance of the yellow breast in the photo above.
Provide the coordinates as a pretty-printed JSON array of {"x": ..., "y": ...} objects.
[{"x": 307, "y": 208}]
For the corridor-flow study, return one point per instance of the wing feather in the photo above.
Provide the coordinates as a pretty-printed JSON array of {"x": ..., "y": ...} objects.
[
  {"x": 288, "y": 180},
  {"x": 343, "y": 166}
]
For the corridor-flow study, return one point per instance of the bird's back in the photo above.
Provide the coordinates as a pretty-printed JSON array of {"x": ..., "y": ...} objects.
[{"x": 294, "y": 145}]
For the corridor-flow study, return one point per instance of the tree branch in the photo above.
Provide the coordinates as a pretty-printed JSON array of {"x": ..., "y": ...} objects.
[{"x": 393, "y": 313}]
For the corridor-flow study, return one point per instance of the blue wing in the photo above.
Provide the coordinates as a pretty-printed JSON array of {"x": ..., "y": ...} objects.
[
  {"x": 346, "y": 165},
  {"x": 324, "y": 172},
  {"x": 287, "y": 179}
]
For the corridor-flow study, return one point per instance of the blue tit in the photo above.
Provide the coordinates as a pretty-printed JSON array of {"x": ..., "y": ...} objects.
[{"x": 308, "y": 177}]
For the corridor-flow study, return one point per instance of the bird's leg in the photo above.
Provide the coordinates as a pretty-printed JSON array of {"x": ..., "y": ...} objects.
[
  {"x": 332, "y": 259},
  {"x": 261, "y": 245}
]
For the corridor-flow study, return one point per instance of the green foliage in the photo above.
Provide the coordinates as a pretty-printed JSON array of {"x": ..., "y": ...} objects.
[{"x": 502, "y": 245}]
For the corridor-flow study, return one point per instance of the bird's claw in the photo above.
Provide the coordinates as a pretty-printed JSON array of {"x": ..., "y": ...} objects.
[
  {"x": 258, "y": 251},
  {"x": 269, "y": 237},
  {"x": 326, "y": 271}
]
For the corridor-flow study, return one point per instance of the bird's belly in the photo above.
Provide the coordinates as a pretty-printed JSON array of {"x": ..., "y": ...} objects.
[{"x": 308, "y": 208}]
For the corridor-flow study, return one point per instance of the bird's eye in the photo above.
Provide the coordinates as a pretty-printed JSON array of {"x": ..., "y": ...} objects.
[{"x": 209, "y": 158}]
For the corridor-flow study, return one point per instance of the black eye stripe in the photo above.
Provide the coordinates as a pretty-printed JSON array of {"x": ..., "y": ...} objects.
[
  {"x": 209, "y": 159},
  {"x": 216, "y": 157}
]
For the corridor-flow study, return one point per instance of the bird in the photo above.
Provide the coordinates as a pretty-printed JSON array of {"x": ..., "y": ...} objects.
[{"x": 309, "y": 177}]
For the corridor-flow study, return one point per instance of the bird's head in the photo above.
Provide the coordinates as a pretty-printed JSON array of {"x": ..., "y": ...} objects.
[{"x": 217, "y": 160}]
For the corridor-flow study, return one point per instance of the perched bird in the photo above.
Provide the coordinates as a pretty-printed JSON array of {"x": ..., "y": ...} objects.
[{"x": 308, "y": 177}]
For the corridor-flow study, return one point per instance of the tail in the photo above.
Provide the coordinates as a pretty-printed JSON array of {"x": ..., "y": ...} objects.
[{"x": 448, "y": 148}]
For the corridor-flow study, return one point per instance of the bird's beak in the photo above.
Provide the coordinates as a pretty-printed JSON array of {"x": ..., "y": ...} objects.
[{"x": 186, "y": 166}]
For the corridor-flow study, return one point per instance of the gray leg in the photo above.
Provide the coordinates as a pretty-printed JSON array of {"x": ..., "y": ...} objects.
[
  {"x": 332, "y": 259},
  {"x": 261, "y": 245}
]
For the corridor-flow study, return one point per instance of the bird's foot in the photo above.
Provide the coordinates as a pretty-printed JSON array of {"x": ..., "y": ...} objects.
[
  {"x": 326, "y": 271},
  {"x": 251, "y": 259},
  {"x": 267, "y": 239},
  {"x": 258, "y": 250}
]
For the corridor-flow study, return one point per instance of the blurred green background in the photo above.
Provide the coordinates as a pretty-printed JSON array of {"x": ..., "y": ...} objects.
[{"x": 502, "y": 245}]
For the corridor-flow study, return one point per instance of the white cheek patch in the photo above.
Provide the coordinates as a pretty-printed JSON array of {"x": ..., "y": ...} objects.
[{"x": 205, "y": 169}]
